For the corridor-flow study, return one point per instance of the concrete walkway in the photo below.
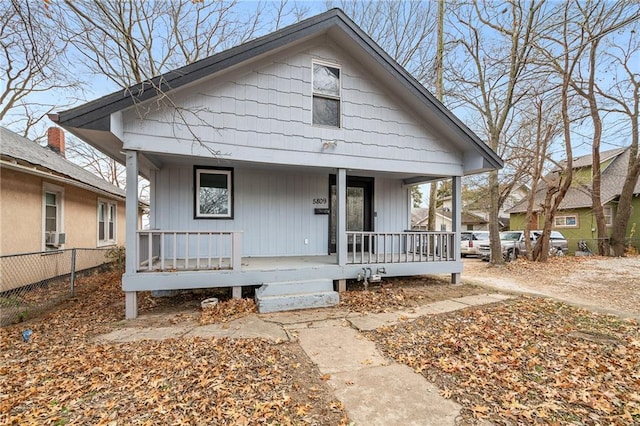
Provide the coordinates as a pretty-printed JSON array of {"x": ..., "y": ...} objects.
[{"x": 374, "y": 389}]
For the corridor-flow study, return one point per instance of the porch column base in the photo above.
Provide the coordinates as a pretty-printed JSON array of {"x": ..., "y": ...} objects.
[
  {"x": 342, "y": 286},
  {"x": 131, "y": 304},
  {"x": 236, "y": 292},
  {"x": 456, "y": 278}
]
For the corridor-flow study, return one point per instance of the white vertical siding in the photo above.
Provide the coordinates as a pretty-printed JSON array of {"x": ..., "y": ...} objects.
[
  {"x": 274, "y": 210},
  {"x": 391, "y": 206}
]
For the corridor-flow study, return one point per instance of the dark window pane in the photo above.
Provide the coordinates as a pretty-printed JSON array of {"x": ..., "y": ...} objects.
[
  {"x": 326, "y": 80},
  {"x": 212, "y": 180},
  {"x": 101, "y": 231},
  {"x": 326, "y": 111}
]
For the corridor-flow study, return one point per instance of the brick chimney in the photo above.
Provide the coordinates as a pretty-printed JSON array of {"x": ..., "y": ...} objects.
[{"x": 55, "y": 140}]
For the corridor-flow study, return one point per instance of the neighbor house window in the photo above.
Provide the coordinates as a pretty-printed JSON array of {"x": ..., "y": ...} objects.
[
  {"x": 106, "y": 222},
  {"x": 52, "y": 216},
  {"x": 326, "y": 95},
  {"x": 213, "y": 193},
  {"x": 608, "y": 216},
  {"x": 566, "y": 221}
]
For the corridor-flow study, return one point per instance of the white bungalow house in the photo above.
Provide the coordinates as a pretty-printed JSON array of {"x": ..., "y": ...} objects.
[{"x": 286, "y": 163}]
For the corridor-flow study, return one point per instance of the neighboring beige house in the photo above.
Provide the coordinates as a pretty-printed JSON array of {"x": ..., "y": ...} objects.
[
  {"x": 444, "y": 220},
  {"x": 49, "y": 203}
]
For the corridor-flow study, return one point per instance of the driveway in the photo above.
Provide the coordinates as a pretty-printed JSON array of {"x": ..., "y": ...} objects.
[{"x": 604, "y": 284}]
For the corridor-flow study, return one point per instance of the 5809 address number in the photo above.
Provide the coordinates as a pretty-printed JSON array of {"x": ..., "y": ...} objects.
[{"x": 319, "y": 201}]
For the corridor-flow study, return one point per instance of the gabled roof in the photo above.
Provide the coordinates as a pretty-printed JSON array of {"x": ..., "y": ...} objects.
[
  {"x": 586, "y": 160},
  {"x": 19, "y": 151},
  {"x": 613, "y": 177},
  {"x": 92, "y": 118}
]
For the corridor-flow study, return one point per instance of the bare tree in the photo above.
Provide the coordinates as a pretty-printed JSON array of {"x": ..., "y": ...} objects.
[
  {"x": 587, "y": 23},
  {"x": 405, "y": 30},
  {"x": 597, "y": 20},
  {"x": 542, "y": 122},
  {"x": 623, "y": 98},
  {"x": 439, "y": 83},
  {"x": 132, "y": 42},
  {"x": 96, "y": 162},
  {"x": 33, "y": 66},
  {"x": 489, "y": 72}
]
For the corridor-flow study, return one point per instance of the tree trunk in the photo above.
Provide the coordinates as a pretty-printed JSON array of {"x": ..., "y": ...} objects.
[
  {"x": 623, "y": 212},
  {"x": 433, "y": 194},
  {"x": 494, "y": 227},
  {"x": 439, "y": 94}
]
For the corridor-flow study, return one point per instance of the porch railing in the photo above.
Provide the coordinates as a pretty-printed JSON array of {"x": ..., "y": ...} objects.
[
  {"x": 160, "y": 250},
  {"x": 400, "y": 247}
]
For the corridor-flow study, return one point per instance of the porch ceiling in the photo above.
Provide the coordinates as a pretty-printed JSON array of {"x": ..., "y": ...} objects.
[{"x": 163, "y": 160}]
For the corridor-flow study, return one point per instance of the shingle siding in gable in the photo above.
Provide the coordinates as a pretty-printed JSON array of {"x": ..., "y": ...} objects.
[{"x": 271, "y": 107}]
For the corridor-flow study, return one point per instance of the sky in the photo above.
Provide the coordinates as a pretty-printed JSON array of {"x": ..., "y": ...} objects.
[{"x": 98, "y": 86}]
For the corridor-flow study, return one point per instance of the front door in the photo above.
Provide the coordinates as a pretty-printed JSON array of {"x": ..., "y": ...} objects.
[{"x": 359, "y": 208}]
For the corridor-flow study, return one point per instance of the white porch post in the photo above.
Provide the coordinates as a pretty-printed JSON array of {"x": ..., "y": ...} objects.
[
  {"x": 131, "y": 241},
  {"x": 341, "y": 217},
  {"x": 456, "y": 222}
]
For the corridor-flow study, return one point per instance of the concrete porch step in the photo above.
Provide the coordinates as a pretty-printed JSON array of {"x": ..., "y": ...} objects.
[
  {"x": 291, "y": 295},
  {"x": 294, "y": 287}
]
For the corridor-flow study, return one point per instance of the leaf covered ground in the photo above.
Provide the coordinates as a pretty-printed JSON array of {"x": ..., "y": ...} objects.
[
  {"x": 530, "y": 361},
  {"x": 403, "y": 292},
  {"x": 63, "y": 376}
]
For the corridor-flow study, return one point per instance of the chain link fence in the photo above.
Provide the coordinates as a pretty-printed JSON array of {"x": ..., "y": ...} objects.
[{"x": 31, "y": 283}]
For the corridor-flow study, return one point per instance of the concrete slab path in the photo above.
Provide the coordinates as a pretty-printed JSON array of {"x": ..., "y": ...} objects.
[{"x": 374, "y": 389}]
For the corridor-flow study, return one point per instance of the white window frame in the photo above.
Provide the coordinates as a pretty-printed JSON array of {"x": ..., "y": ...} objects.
[
  {"x": 108, "y": 204},
  {"x": 59, "y": 192},
  {"x": 608, "y": 215},
  {"x": 228, "y": 172},
  {"x": 326, "y": 96},
  {"x": 564, "y": 221}
]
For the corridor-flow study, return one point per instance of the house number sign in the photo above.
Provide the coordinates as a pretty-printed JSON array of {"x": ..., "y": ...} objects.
[{"x": 320, "y": 202}]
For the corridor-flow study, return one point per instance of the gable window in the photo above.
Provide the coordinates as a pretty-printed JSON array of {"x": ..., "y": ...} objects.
[
  {"x": 213, "y": 193},
  {"x": 569, "y": 221},
  {"x": 52, "y": 217},
  {"x": 106, "y": 222},
  {"x": 326, "y": 95}
]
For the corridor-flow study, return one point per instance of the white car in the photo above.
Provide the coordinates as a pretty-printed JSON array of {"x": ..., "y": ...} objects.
[{"x": 471, "y": 240}]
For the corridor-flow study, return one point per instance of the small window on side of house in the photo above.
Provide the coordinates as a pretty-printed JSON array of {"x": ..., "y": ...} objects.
[
  {"x": 52, "y": 212},
  {"x": 569, "y": 221},
  {"x": 326, "y": 95},
  {"x": 608, "y": 216},
  {"x": 213, "y": 198},
  {"x": 106, "y": 222}
]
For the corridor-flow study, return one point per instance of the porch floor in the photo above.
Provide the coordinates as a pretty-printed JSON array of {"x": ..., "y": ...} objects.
[{"x": 278, "y": 263}]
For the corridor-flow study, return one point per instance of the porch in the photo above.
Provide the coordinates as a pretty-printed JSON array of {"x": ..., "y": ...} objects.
[{"x": 319, "y": 229}]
